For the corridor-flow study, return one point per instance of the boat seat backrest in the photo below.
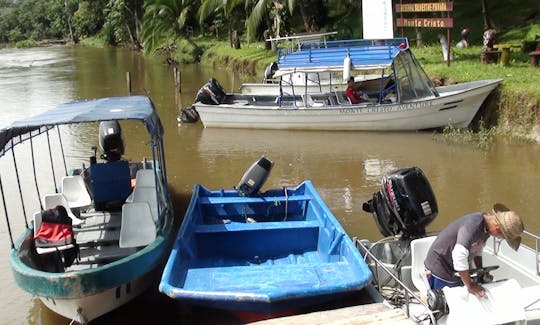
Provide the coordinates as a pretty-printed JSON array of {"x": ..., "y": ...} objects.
[
  {"x": 419, "y": 249},
  {"x": 138, "y": 227},
  {"x": 111, "y": 182},
  {"x": 148, "y": 195},
  {"x": 341, "y": 98},
  {"x": 309, "y": 102},
  {"x": 52, "y": 200},
  {"x": 145, "y": 178},
  {"x": 75, "y": 191}
]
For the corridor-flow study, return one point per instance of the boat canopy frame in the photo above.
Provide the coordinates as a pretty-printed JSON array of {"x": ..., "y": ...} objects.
[{"x": 138, "y": 108}]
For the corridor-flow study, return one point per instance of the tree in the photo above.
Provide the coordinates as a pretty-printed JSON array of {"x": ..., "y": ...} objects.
[
  {"x": 164, "y": 20},
  {"x": 230, "y": 10},
  {"x": 89, "y": 17},
  {"x": 123, "y": 22},
  {"x": 485, "y": 15}
]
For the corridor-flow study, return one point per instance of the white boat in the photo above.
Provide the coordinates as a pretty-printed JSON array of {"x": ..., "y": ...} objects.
[
  {"x": 397, "y": 262},
  {"x": 119, "y": 213},
  {"x": 402, "y": 97}
]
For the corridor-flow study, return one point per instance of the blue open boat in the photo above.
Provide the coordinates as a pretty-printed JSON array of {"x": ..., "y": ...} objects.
[{"x": 278, "y": 250}]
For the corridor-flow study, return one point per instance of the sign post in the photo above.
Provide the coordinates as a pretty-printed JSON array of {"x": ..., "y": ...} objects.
[{"x": 444, "y": 21}]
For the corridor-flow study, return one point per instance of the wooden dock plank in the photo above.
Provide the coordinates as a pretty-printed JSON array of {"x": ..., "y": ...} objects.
[{"x": 376, "y": 313}]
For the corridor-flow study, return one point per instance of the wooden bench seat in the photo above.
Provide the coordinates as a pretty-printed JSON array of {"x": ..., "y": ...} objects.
[
  {"x": 236, "y": 199},
  {"x": 237, "y": 226}
]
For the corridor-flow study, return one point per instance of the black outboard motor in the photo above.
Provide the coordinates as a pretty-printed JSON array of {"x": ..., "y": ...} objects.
[
  {"x": 269, "y": 72},
  {"x": 405, "y": 204},
  {"x": 211, "y": 93},
  {"x": 254, "y": 177},
  {"x": 110, "y": 140}
]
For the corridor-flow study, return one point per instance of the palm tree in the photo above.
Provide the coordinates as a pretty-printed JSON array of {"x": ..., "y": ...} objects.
[
  {"x": 164, "y": 19},
  {"x": 228, "y": 9},
  {"x": 311, "y": 12}
]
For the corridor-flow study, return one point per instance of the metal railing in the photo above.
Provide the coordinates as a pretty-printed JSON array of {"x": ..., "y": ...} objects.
[
  {"x": 497, "y": 243},
  {"x": 408, "y": 292}
]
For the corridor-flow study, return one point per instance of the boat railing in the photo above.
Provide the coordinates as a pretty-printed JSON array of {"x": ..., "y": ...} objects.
[
  {"x": 496, "y": 243},
  {"x": 409, "y": 294}
]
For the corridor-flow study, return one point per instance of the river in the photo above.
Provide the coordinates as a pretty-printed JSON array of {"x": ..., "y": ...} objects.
[{"x": 346, "y": 167}]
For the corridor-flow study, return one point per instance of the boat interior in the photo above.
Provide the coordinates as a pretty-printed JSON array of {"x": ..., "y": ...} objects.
[
  {"x": 284, "y": 227},
  {"x": 380, "y": 91},
  {"x": 400, "y": 277},
  {"x": 114, "y": 210},
  {"x": 289, "y": 225}
]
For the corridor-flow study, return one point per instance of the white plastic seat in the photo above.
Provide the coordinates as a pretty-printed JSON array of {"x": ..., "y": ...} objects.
[
  {"x": 309, "y": 102},
  {"x": 45, "y": 250},
  {"x": 148, "y": 195},
  {"x": 138, "y": 228},
  {"x": 52, "y": 200},
  {"x": 419, "y": 249},
  {"x": 75, "y": 192},
  {"x": 145, "y": 178}
]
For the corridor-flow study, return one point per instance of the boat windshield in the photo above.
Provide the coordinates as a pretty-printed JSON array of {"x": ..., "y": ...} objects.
[{"x": 412, "y": 81}]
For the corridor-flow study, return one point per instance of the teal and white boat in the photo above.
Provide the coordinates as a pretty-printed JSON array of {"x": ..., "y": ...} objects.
[{"x": 120, "y": 211}]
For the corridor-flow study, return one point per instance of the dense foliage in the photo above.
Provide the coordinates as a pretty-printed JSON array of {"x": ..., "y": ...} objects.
[{"x": 158, "y": 25}]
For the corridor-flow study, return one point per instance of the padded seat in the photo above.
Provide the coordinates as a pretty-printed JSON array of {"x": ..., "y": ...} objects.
[
  {"x": 138, "y": 228},
  {"x": 52, "y": 200},
  {"x": 75, "y": 192},
  {"x": 111, "y": 184}
]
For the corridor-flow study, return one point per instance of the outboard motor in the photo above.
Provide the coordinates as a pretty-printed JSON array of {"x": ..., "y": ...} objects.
[
  {"x": 269, "y": 72},
  {"x": 254, "y": 177},
  {"x": 405, "y": 204},
  {"x": 110, "y": 140},
  {"x": 211, "y": 93}
]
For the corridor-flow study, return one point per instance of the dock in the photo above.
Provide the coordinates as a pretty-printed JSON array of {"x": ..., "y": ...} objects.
[{"x": 376, "y": 313}]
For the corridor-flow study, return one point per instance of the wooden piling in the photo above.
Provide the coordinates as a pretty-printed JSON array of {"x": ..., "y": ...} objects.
[{"x": 128, "y": 80}]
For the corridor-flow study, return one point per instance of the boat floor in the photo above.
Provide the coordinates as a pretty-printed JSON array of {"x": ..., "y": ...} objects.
[
  {"x": 263, "y": 278},
  {"x": 98, "y": 240}
]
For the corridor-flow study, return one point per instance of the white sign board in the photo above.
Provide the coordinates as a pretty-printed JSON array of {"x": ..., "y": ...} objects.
[{"x": 377, "y": 19}]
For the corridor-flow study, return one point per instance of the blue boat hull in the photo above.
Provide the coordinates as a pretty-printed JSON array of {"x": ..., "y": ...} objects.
[{"x": 279, "y": 251}]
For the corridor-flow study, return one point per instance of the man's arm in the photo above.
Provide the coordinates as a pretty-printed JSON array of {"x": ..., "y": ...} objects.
[{"x": 460, "y": 257}]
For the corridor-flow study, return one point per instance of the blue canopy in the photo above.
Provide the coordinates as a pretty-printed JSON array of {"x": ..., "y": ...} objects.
[
  {"x": 364, "y": 54},
  {"x": 95, "y": 110}
]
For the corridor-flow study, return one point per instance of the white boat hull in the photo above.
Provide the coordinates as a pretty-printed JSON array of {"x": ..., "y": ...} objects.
[
  {"x": 456, "y": 106},
  {"x": 87, "y": 308}
]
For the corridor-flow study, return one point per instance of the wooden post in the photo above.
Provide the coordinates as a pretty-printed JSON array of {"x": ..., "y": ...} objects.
[
  {"x": 177, "y": 80},
  {"x": 449, "y": 46},
  {"x": 128, "y": 80}
]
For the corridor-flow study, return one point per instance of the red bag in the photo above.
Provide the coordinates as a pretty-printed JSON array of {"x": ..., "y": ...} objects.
[{"x": 55, "y": 229}]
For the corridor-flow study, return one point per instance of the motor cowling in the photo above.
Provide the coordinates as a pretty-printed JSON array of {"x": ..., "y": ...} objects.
[
  {"x": 110, "y": 140},
  {"x": 404, "y": 205},
  {"x": 255, "y": 177},
  {"x": 269, "y": 72},
  {"x": 211, "y": 93}
]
